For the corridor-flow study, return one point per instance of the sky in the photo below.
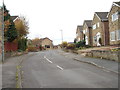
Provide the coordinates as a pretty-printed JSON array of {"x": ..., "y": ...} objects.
[{"x": 48, "y": 17}]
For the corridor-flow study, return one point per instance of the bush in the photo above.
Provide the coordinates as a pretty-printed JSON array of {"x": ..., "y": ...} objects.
[
  {"x": 80, "y": 44},
  {"x": 22, "y": 44},
  {"x": 64, "y": 44},
  {"x": 32, "y": 49},
  {"x": 70, "y": 46}
]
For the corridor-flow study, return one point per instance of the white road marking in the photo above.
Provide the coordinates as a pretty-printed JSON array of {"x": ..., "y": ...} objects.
[
  {"x": 48, "y": 60},
  {"x": 60, "y": 67}
]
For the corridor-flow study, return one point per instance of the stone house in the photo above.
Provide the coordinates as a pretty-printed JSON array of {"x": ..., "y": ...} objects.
[
  {"x": 46, "y": 43},
  {"x": 114, "y": 23},
  {"x": 87, "y": 31},
  {"x": 100, "y": 29},
  {"x": 79, "y": 33}
]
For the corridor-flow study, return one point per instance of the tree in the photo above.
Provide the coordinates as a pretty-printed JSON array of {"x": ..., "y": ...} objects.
[
  {"x": 10, "y": 32},
  {"x": 64, "y": 44},
  {"x": 22, "y": 27}
]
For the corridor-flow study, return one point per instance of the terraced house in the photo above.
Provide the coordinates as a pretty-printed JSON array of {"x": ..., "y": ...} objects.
[
  {"x": 114, "y": 23},
  {"x": 100, "y": 29},
  {"x": 79, "y": 33},
  {"x": 87, "y": 31}
]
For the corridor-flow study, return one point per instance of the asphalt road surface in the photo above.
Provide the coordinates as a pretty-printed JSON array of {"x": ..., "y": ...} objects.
[{"x": 51, "y": 69}]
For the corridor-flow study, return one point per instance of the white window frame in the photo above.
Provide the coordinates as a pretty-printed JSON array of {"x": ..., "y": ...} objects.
[
  {"x": 111, "y": 35},
  {"x": 94, "y": 27},
  {"x": 115, "y": 16},
  {"x": 118, "y": 34}
]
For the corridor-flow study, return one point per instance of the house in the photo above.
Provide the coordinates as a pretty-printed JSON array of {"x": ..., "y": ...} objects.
[
  {"x": 100, "y": 29},
  {"x": 114, "y": 23},
  {"x": 87, "y": 31},
  {"x": 79, "y": 33},
  {"x": 46, "y": 43}
]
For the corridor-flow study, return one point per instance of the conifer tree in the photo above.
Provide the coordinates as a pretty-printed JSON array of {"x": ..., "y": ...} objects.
[{"x": 10, "y": 32}]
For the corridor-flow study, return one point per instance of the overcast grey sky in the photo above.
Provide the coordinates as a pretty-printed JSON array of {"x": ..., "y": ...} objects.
[{"x": 48, "y": 17}]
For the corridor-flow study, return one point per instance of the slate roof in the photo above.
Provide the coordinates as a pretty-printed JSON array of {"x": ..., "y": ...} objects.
[
  {"x": 88, "y": 22},
  {"x": 13, "y": 17},
  {"x": 102, "y": 15},
  {"x": 45, "y": 38},
  {"x": 118, "y": 3}
]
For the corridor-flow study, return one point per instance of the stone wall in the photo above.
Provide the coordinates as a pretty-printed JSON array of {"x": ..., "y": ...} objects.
[{"x": 110, "y": 55}]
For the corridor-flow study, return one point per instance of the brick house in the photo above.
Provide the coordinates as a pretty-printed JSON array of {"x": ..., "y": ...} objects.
[
  {"x": 87, "y": 31},
  {"x": 79, "y": 33},
  {"x": 46, "y": 43},
  {"x": 100, "y": 29},
  {"x": 114, "y": 23}
]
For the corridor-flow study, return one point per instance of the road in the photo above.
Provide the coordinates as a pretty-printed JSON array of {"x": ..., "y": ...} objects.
[{"x": 51, "y": 69}]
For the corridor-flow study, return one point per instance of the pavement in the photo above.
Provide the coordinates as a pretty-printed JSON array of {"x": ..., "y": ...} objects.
[{"x": 109, "y": 65}]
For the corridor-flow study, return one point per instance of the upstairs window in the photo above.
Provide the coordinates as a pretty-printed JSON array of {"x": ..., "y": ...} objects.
[
  {"x": 86, "y": 30},
  {"x": 94, "y": 26},
  {"x": 115, "y": 16},
  {"x": 98, "y": 25}
]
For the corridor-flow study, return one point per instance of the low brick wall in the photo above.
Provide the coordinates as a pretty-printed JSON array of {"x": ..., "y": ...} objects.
[{"x": 110, "y": 55}]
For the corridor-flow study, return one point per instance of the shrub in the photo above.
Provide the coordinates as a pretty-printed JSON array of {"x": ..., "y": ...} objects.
[
  {"x": 70, "y": 46},
  {"x": 64, "y": 44},
  {"x": 80, "y": 44},
  {"x": 32, "y": 49}
]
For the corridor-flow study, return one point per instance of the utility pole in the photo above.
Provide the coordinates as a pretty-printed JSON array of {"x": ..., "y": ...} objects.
[
  {"x": 3, "y": 32},
  {"x": 61, "y": 35}
]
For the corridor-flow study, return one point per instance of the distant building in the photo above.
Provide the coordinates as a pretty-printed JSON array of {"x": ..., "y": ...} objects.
[
  {"x": 46, "y": 43},
  {"x": 79, "y": 33},
  {"x": 114, "y": 24},
  {"x": 87, "y": 31},
  {"x": 100, "y": 29}
]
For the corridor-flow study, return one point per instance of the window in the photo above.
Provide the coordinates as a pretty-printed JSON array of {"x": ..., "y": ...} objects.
[
  {"x": 94, "y": 26},
  {"x": 86, "y": 29},
  {"x": 118, "y": 34},
  {"x": 112, "y": 36},
  {"x": 76, "y": 34},
  {"x": 95, "y": 39},
  {"x": 98, "y": 24},
  {"x": 115, "y": 16}
]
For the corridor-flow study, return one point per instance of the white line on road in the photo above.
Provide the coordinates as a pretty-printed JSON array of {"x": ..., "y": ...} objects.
[
  {"x": 60, "y": 67},
  {"x": 48, "y": 60}
]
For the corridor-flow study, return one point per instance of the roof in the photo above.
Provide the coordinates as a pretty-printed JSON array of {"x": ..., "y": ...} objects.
[
  {"x": 114, "y": 4},
  {"x": 88, "y": 23},
  {"x": 45, "y": 38},
  {"x": 118, "y": 3},
  {"x": 13, "y": 17},
  {"x": 80, "y": 27},
  {"x": 102, "y": 15}
]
